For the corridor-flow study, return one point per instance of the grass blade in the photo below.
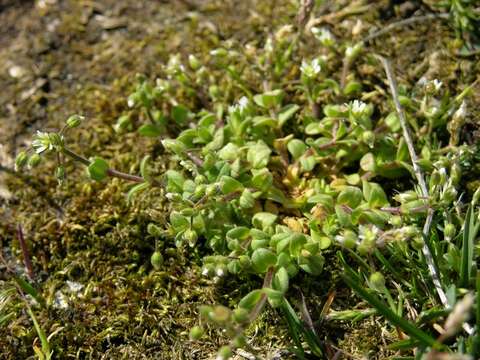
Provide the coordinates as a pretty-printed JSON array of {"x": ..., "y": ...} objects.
[
  {"x": 41, "y": 334},
  {"x": 466, "y": 263},
  {"x": 352, "y": 280}
]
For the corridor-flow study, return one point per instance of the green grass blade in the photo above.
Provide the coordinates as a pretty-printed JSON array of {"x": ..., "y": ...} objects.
[
  {"x": 410, "y": 329},
  {"x": 466, "y": 262},
  {"x": 293, "y": 323},
  {"x": 29, "y": 289},
  {"x": 476, "y": 339},
  {"x": 41, "y": 334},
  {"x": 299, "y": 328}
]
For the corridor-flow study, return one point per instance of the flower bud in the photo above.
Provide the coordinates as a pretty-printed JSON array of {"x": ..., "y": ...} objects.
[
  {"x": 239, "y": 341},
  {"x": 455, "y": 173},
  {"x": 368, "y": 138},
  {"x": 377, "y": 281},
  {"x": 34, "y": 160},
  {"x": 348, "y": 239},
  {"x": 196, "y": 333},
  {"x": 435, "y": 179},
  {"x": 240, "y": 315},
  {"x": 221, "y": 270},
  {"x": 60, "y": 173},
  {"x": 406, "y": 197},
  {"x": 214, "y": 91},
  {"x": 74, "y": 121},
  {"x": 21, "y": 160},
  {"x": 208, "y": 270},
  {"x": 449, "y": 194},
  {"x": 123, "y": 124},
  {"x": 194, "y": 63},
  {"x": 220, "y": 52},
  {"x": 200, "y": 179},
  {"x": 324, "y": 36},
  {"x": 396, "y": 221},
  {"x": 224, "y": 353},
  {"x": 55, "y": 139},
  {"x": 449, "y": 231},
  {"x": 156, "y": 260},
  {"x": 245, "y": 261},
  {"x": 211, "y": 190},
  {"x": 351, "y": 52},
  {"x": 191, "y": 237}
]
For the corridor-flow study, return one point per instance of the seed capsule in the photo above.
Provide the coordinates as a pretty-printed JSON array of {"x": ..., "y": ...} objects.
[
  {"x": 240, "y": 315},
  {"x": 196, "y": 333},
  {"x": 156, "y": 260},
  {"x": 34, "y": 160},
  {"x": 449, "y": 231},
  {"x": 74, "y": 121},
  {"x": 21, "y": 160},
  {"x": 224, "y": 353}
]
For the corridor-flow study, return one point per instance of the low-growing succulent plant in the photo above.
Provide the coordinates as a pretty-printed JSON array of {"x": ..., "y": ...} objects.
[{"x": 271, "y": 177}]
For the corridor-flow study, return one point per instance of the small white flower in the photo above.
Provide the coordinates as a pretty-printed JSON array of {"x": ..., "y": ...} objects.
[
  {"x": 349, "y": 51},
  {"x": 368, "y": 233},
  {"x": 352, "y": 51},
  {"x": 41, "y": 142},
  {"x": 205, "y": 271},
  {"x": 437, "y": 84},
  {"x": 240, "y": 107},
  {"x": 268, "y": 46},
  {"x": 433, "y": 86},
  {"x": 74, "y": 286},
  {"x": 220, "y": 272},
  {"x": 324, "y": 36},
  {"x": 162, "y": 85},
  {"x": 174, "y": 65},
  {"x": 243, "y": 103},
  {"x": 358, "y": 108},
  {"x": 311, "y": 69}
]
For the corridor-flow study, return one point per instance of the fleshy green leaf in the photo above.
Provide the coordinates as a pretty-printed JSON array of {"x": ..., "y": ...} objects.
[
  {"x": 180, "y": 114},
  {"x": 269, "y": 99},
  {"x": 150, "y": 130},
  {"x": 249, "y": 301},
  {"x": 281, "y": 280},
  {"x": 230, "y": 185},
  {"x": 350, "y": 196},
  {"x": 258, "y": 155},
  {"x": 296, "y": 147},
  {"x": 262, "y": 220},
  {"x": 262, "y": 259},
  {"x": 287, "y": 113}
]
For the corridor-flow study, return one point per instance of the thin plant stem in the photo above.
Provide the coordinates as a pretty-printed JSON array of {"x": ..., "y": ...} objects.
[
  {"x": 406, "y": 22},
  {"x": 420, "y": 178},
  {"x": 267, "y": 282},
  {"x": 110, "y": 172},
  {"x": 26, "y": 255}
]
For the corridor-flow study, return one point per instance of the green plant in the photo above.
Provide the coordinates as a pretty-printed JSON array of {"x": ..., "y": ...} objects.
[{"x": 286, "y": 163}]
